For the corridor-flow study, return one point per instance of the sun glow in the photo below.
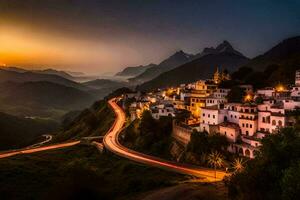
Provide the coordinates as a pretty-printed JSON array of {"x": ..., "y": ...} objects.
[{"x": 35, "y": 50}]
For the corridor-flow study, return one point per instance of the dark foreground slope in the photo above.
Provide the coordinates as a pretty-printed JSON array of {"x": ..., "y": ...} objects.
[
  {"x": 80, "y": 172},
  {"x": 17, "y": 132}
]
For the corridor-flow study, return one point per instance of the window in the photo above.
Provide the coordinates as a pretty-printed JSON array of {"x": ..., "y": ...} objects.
[
  {"x": 214, "y": 116},
  {"x": 247, "y": 133},
  {"x": 231, "y": 116},
  {"x": 225, "y": 133},
  {"x": 203, "y": 122},
  {"x": 273, "y": 122},
  {"x": 203, "y": 114},
  {"x": 250, "y": 125},
  {"x": 280, "y": 123},
  {"x": 208, "y": 115},
  {"x": 246, "y": 125},
  {"x": 264, "y": 120},
  {"x": 243, "y": 125}
]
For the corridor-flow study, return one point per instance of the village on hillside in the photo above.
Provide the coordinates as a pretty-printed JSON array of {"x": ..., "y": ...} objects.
[{"x": 206, "y": 107}]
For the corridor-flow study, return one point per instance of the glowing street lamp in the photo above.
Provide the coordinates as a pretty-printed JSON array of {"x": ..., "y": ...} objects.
[{"x": 280, "y": 88}]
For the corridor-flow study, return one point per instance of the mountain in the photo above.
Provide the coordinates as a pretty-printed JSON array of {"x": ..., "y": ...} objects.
[
  {"x": 41, "y": 98},
  {"x": 171, "y": 62},
  {"x": 277, "y": 65},
  {"x": 225, "y": 46},
  {"x": 134, "y": 71},
  {"x": 55, "y": 72},
  {"x": 224, "y": 57},
  {"x": 286, "y": 52},
  {"x": 104, "y": 84},
  {"x": 74, "y": 76},
  {"x": 21, "y": 77},
  {"x": 18, "y": 132},
  {"x": 75, "y": 73}
]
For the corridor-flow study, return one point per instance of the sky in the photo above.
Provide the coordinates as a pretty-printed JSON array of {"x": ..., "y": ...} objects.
[{"x": 105, "y": 36}]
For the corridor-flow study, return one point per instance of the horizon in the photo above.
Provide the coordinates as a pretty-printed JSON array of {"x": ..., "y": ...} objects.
[{"x": 97, "y": 38}]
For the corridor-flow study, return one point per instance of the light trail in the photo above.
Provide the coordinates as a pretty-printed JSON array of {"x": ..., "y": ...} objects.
[
  {"x": 37, "y": 149},
  {"x": 111, "y": 142}
]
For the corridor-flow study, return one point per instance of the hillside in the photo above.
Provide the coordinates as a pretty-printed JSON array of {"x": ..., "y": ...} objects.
[
  {"x": 21, "y": 77},
  {"x": 286, "y": 52},
  {"x": 93, "y": 121},
  {"x": 17, "y": 132},
  {"x": 41, "y": 98},
  {"x": 79, "y": 172},
  {"x": 277, "y": 65},
  {"x": 201, "y": 68},
  {"x": 134, "y": 71},
  {"x": 103, "y": 84},
  {"x": 65, "y": 74},
  {"x": 171, "y": 62}
]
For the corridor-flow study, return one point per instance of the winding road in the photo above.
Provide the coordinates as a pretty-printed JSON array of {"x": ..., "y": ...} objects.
[
  {"x": 111, "y": 142},
  {"x": 37, "y": 149}
]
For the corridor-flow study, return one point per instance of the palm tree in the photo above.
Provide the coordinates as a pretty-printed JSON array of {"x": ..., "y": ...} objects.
[
  {"x": 216, "y": 160},
  {"x": 238, "y": 165}
]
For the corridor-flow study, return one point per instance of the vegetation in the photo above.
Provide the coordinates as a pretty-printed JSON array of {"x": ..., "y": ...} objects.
[
  {"x": 216, "y": 160},
  {"x": 274, "y": 173},
  {"x": 94, "y": 121},
  {"x": 79, "y": 172},
  {"x": 202, "y": 145},
  {"x": 18, "y": 132},
  {"x": 235, "y": 95},
  {"x": 149, "y": 135}
]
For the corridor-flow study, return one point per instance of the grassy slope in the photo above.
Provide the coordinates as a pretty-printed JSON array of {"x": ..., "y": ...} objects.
[
  {"x": 93, "y": 121},
  {"x": 80, "y": 172}
]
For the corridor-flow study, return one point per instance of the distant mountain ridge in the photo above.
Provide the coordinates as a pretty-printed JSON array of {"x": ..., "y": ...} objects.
[
  {"x": 21, "y": 77},
  {"x": 41, "y": 98},
  {"x": 286, "y": 52},
  {"x": 202, "y": 66},
  {"x": 134, "y": 71},
  {"x": 171, "y": 62},
  {"x": 277, "y": 65},
  {"x": 225, "y": 46}
]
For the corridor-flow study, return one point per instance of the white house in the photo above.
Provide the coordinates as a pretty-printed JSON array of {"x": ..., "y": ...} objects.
[{"x": 211, "y": 115}]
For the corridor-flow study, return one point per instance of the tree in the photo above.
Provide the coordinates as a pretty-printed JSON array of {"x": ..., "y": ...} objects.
[
  {"x": 272, "y": 174},
  {"x": 238, "y": 165},
  {"x": 236, "y": 95},
  {"x": 290, "y": 182},
  {"x": 216, "y": 160}
]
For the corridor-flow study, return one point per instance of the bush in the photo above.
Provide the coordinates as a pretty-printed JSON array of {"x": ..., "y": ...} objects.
[{"x": 274, "y": 173}]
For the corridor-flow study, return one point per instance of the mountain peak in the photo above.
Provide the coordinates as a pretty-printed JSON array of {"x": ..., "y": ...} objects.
[{"x": 224, "y": 46}]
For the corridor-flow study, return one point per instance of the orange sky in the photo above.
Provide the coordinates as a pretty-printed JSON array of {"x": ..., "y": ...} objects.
[{"x": 30, "y": 49}]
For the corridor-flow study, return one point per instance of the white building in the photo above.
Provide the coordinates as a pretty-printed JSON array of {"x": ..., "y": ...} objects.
[
  {"x": 210, "y": 117},
  {"x": 265, "y": 92},
  {"x": 162, "y": 110}
]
